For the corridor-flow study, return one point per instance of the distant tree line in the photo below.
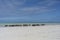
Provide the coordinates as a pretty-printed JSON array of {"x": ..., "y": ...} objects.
[{"x": 18, "y": 25}]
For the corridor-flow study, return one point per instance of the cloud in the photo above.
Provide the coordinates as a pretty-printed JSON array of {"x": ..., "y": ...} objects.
[
  {"x": 16, "y": 6},
  {"x": 44, "y": 6},
  {"x": 11, "y": 3},
  {"x": 35, "y": 10},
  {"x": 14, "y": 18},
  {"x": 23, "y": 9}
]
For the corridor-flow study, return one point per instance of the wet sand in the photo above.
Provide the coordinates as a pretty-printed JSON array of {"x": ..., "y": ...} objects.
[{"x": 47, "y": 32}]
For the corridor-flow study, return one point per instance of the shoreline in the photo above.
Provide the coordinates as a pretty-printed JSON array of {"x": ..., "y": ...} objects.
[{"x": 27, "y": 24}]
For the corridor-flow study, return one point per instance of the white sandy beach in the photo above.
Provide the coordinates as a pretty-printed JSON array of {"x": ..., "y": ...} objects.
[{"x": 50, "y": 32}]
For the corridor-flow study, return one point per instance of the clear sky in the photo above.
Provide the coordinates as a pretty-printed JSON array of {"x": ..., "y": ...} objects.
[{"x": 29, "y": 11}]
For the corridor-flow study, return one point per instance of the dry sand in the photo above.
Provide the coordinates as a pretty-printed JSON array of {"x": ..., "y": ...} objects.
[{"x": 48, "y": 32}]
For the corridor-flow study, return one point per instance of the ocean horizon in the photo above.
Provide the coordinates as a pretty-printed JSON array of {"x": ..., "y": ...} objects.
[{"x": 46, "y": 23}]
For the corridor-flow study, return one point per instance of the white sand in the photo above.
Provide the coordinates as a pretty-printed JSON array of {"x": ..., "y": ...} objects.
[{"x": 51, "y": 32}]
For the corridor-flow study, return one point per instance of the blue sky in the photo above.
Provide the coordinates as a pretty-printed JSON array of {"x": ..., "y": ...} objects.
[{"x": 29, "y": 10}]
